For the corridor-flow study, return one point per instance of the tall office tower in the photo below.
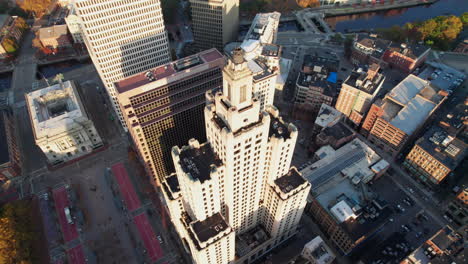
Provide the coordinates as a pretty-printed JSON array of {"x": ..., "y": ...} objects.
[
  {"x": 123, "y": 37},
  {"x": 358, "y": 92},
  {"x": 214, "y": 22},
  {"x": 164, "y": 106},
  {"x": 239, "y": 183}
]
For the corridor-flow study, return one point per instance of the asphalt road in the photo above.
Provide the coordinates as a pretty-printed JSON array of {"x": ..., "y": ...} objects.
[
  {"x": 23, "y": 77},
  {"x": 410, "y": 187}
]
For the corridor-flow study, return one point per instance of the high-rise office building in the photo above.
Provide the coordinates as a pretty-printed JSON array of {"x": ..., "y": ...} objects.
[
  {"x": 123, "y": 37},
  {"x": 163, "y": 107},
  {"x": 215, "y": 23},
  {"x": 235, "y": 198},
  {"x": 358, "y": 92}
]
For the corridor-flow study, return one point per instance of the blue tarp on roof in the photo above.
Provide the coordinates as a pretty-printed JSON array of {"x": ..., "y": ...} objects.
[{"x": 333, "y": 77}]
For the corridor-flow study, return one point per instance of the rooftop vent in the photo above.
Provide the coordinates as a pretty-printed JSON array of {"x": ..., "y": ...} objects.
[{"x": 150, "y": 76}]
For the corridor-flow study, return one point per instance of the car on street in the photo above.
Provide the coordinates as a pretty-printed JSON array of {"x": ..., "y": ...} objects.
[
  {"x": 160, "y": 240},
  {"x": 405, "y": 228},
  {"x": 401, "y": 208}
]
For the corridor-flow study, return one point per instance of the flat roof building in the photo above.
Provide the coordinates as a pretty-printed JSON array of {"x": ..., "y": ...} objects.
[
  {"x": 317, "y": 251},
  {"x": 358, "y": 92},
  {"x": 61, "y": 126},
  {"x": 457, "y": 209},
  {"x": 163, "y": 107},
  {"x": 342, "y": 205},
  {"x": 446, "y": 246},
  {"x": 406, "y": 57},
  {"x": 313, "y": 88},
  {"x": 368, "y": 49},
  {"x": 435, "y": 155},
  {"x": 123, "y": 38},
  {"x": 403, "y": 111},
  {"x": 54, "y": 37}
]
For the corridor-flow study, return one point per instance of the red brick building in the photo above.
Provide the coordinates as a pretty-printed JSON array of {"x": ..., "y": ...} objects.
[
  {"x": 406, "y": 57},
  {"x": 368, "y": 49}
]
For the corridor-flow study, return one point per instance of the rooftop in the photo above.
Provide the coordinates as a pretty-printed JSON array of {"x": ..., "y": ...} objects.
[
  {"x": 259, "y": 69},
  {"x": 173, "y": 183},
  {"x": 320, "y": 77},
  {"x": 448, "y": 241},
  {"x": 271, "y": 50},
  {"x": 447, "y": 149},
  {"x": 337, "y": 131},
  {"x": 278, "y": 128},
  {"x": 55, "y": 109},
  {"x": 198, "y": 162},
  {"x": 364, "y": 81},
  {"x": 172, "y": 69},
  {"x": 412, "y": 51},
  {"x": 409, "y": 103},
  {"x": 210, "y": 227},
  {"x": 455, "y": 118},
  {"x": 407, "y": 89},
  {"x": 323, "y": 58},
  {"x": 248, "y": 241},
  {"x": 327, "y": 115},
  {"x": 319, "y": 250},
  {"x": 378, "y": 46},
  {"x": 258, "y": 29},
  {"x": 290, "y": 181},
  {"x": 442, "y": 76},
  {"x": 53, "y": 31},
  {"x": 352, "y": 160}
]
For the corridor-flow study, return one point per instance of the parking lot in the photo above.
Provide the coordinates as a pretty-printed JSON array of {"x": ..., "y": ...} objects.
[{"x": 409, "y": 226}]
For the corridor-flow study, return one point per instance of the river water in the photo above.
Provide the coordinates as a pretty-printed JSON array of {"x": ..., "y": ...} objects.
[{"x": 388, "y": 18}]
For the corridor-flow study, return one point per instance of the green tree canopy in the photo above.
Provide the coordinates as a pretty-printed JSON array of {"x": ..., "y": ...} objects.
[{"x": 464, "y": 18}]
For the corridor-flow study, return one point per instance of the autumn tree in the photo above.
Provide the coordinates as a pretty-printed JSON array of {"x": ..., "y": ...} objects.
[
  {"x": 37, "y": 7},
  {"x": 308, "y": 3},
  {"x": 9, "y": 44},
  {"x": 16, "y": 233}
]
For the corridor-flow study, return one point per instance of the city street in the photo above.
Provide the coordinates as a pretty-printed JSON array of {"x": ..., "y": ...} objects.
[
  {"x": 410, "y": 187},
  {"x": 107, "y": 231},
  {"x": 395, "y": 196}
]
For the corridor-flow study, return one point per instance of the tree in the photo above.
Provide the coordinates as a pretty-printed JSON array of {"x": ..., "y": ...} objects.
[
  {"x": 308, "y": 3},
  {"x": 464, "y": 18},
  {"x": 452, "y": 26},
  {"x": 37, "y": 7},
  {"x": 16, "y": 233},
  {"x": 429, "y": 42},
  {"x": 9, "y": 44},
  {"x": 427, "y": 29}
]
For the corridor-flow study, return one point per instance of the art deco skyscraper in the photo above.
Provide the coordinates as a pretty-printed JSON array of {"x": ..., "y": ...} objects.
[
  {"x": 123, "y": 37},
  {"x": 215, "y": 23},
  {"x": 239, "y": 183}
]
